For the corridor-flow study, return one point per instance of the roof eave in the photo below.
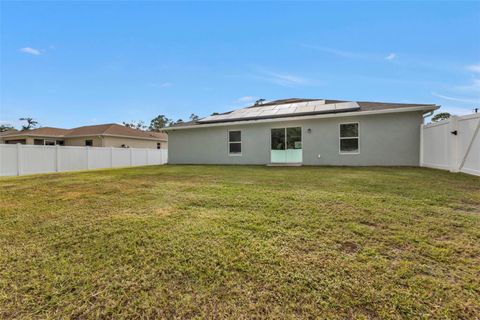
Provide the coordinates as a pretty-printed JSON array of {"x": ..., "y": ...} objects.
[
  {"x": 114, "y": 135},
  {"x": 30, "y": 135}
]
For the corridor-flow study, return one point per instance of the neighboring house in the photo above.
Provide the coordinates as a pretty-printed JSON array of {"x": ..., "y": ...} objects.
[
  {"x": 304, "y": 131},
  {"x": 103, "y": 135}
]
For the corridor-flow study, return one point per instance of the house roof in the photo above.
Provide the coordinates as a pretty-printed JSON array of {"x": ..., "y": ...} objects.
[
  {"x": 4, "y": 133},
  {"x": 296, "y": 107},
  {"x": 110, "y": 129},
  {"x": 43, "y": 131}
]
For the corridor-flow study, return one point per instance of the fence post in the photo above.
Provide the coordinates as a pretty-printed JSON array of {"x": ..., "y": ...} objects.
[
  {"x": 453, "y": 144},
  {"x": 19, "y": 159},
  {"x": 88, "y": 157},
  {"x": 422, "y": 127},
  {"x": 111, "y": 157},
  {"x": 57, "y": 158}
]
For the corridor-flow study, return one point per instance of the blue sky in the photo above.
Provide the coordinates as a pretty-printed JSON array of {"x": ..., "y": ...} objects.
[{"x": 79, "y": 63}]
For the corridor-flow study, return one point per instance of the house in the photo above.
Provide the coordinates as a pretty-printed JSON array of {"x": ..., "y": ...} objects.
[
  {"x": 103, "y": 135},
  {"x": 304, "y": 131}
]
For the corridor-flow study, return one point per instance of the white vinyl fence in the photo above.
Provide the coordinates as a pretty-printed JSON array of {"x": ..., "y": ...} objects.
[
  {"x": 18, "y": 159},
  {"x": 452, "y": 144}
]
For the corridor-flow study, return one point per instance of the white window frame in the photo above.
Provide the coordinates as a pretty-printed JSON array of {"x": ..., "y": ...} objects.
[
  {"x": 340, "y": 138},
  {"x": 229, "y": 142}
]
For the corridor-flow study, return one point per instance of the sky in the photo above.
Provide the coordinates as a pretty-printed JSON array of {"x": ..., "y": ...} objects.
[{"x": 68, "y": 64}]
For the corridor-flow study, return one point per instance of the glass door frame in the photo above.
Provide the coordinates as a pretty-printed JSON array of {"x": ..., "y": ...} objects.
[{"x": 286, "y": 143}]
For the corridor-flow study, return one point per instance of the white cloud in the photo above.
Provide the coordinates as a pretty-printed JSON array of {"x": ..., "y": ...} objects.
[
  {"x": 246, "y": 99},
  {"x": 32, "y": 51},
  {"x": 336, "y": 52},
  {"x": 162, "y": 85},
  {"x": 391, "y": 56},
  {"x": 288, "y": 78},
  {"x": 473, "y": 87},
  {"x": 473, "y": 68},
  {"x": 465, "y": 100},
  {"x": 283, "y": 79}
]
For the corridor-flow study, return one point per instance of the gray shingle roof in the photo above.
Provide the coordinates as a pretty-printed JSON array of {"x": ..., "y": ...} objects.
[{"x": 301, "y": 107}]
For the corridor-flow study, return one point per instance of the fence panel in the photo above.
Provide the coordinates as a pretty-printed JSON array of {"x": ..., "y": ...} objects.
[
  {"x": 8, "y": 160},
  {"x": 38, "y": 159},
  {"x": 452, "y": 144},
  {"x": 99, "y": 158},
  {"x": 121, "y": 157},
  {"x": 29, "y": 159},
  {"x": 72, "y": 158},
  {"x": 469, "y": 145},
  {"x": 139, "y": 157}
]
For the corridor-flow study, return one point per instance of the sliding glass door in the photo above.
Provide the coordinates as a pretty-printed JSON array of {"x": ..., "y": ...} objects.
[{"x": 286, "y": 145}]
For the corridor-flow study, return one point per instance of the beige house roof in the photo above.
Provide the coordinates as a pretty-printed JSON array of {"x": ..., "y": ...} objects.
[{"x": 110, "y": 129}]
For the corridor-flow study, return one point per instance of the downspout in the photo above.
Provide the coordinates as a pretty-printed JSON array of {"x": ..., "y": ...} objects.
[{"x": 427, "y": 115}]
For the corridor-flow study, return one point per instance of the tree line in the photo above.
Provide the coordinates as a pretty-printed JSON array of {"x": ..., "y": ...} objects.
[{"x": 156, "y": 124}]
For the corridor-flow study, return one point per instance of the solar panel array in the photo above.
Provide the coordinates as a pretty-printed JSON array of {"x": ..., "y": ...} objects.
[{"x": 283, "y": 110}]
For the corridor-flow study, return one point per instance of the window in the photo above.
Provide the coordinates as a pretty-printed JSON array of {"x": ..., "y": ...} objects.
[
  {"x": 60, "y": 143},
  {"x": 21, "y": 141},
  {"x": 159, "y": 145},
  {"x": 349, "y": 139},
  {"x": 235, "y": 143},
  {"x": 38, "y": 142},
  {"x": 49, "y": 142},
  {"x": 89, "y": 143}
]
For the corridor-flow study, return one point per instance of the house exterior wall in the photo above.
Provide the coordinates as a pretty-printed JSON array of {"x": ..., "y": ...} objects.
[
  {"x": 385, "y": 140},
  {"x": 97, "y": 141},
  {"x": 132, "y": 143},
  {"x": 80, "y": 142}
]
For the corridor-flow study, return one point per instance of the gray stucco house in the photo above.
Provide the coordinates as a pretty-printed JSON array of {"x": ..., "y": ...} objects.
[{"x": 304, "y": 132}]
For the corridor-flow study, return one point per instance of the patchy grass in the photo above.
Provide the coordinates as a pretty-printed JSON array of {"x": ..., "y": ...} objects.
[{"x": 240, "y": 242}]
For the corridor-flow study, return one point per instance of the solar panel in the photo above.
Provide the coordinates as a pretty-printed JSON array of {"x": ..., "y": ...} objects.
[{"x": 282, "y": 110}]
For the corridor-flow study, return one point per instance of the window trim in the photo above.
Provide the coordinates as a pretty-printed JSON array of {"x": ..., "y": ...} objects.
[
  {"x": 230, "y": 142},
  {"x": 340, "y": 138}
]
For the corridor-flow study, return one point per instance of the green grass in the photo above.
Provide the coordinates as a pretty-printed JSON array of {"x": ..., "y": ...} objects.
[{"x": 240, "y": 242}]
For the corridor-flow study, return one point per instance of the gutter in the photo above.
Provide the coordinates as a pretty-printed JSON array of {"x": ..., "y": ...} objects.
[
  {"x": 318, "y": 116},
  {"x": 114, "y": 135}
]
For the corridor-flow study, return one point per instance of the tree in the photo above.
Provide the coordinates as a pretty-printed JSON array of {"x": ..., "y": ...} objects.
[
  {"x": 31, "y": 123},
  {"x": 138, "y": 125},
  {"x": 194, "y": 117},
  {"x": 215, "y": 114},
  {"x": 259, "y": 102},
  {"x": 6, "y": 127},
  {"x": 441, "y": 116},
  {"x": 158, "y": 123}
]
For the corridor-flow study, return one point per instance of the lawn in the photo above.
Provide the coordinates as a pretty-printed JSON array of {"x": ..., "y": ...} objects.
[{"x": 240, "y": 242}]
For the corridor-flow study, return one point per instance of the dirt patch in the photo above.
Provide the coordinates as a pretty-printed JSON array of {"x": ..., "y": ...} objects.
[{"x": 350, "y": 247}]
